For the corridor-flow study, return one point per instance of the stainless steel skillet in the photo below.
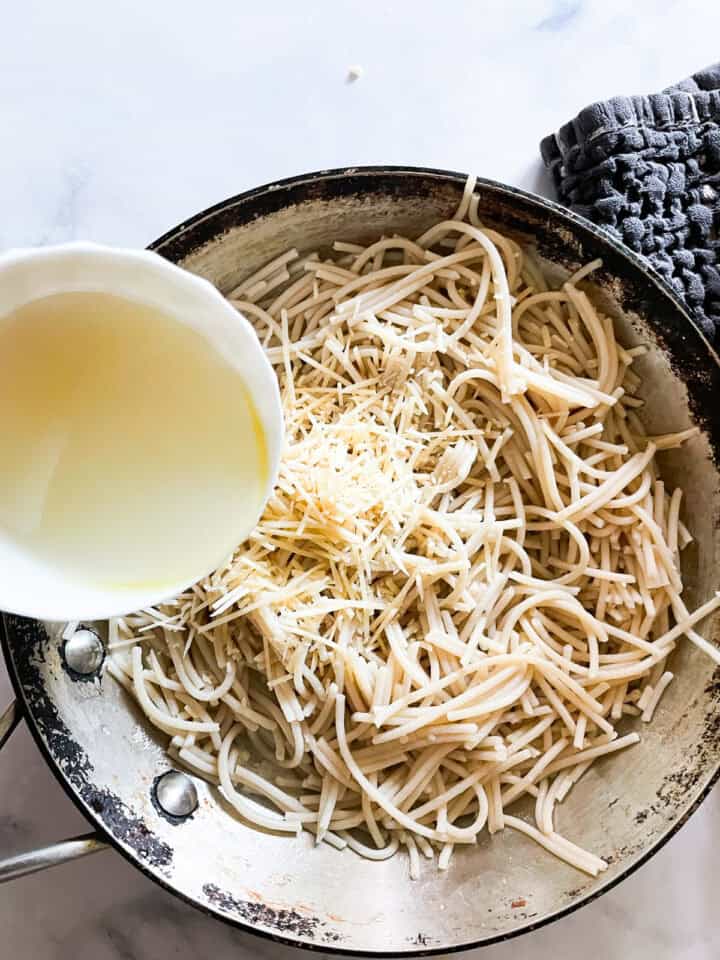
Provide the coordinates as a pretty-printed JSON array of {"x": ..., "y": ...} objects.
[{"x": 112, "y": 764}]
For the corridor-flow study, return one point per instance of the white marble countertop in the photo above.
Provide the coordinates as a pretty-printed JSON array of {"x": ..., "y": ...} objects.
[{"x": 119, "y": 120}]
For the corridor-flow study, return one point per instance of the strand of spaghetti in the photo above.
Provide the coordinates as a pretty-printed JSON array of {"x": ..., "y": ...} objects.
[
  {"x": 481, "y": 775},
  {"x": 592, "y": 753},
  {"x": 469, "y": 833},
  {"x": 510, "y": 381},
  {"x": 508, "y": 694},
  {"x": 375, "y": 795},
  {"x": 684, "y": 625},
  {"x": 535, "y": 772},
  {"x": 251, "y": 811},
  {"x": 166, "y": 722},
  {"x": 602, "y": 494},
  {"x": 575, "y": 856},
  {"x": 371, "y": 853}
]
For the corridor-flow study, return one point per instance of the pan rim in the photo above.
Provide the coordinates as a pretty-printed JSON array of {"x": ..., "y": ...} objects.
[
  {"x": 182, "y": 234},
  {"x": 183, "y": 230}
]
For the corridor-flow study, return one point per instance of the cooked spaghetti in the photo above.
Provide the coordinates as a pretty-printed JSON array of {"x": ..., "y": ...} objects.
[{"x": 468, "y": 573}]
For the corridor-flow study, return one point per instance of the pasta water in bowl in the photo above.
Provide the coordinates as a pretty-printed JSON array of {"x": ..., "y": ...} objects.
[{"x": 139, "y": 427}]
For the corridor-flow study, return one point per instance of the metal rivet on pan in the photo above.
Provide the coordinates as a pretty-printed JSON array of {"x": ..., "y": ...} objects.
[
  {"x": 176, "y": 794},
  {"x": 84, "y": 652}
]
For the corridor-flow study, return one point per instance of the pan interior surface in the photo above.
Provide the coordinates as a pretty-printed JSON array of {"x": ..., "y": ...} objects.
[{"x": 624, "y": 806}]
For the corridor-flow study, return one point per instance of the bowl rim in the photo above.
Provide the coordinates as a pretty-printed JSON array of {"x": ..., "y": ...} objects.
[{"x": 183, "y": 243}]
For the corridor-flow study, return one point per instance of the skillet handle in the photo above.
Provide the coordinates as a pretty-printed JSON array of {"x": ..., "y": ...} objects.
[{"x": 44, "y": 857}]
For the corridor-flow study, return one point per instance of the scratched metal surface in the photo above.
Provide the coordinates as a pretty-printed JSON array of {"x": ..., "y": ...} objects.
[{"x": 625, "y": 807}]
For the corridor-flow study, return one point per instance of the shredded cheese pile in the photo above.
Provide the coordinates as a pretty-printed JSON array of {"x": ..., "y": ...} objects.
[{"x": 468, "y": 572}]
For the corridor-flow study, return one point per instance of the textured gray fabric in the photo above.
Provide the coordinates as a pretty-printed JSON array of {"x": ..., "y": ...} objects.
[{"x": 648, "y": 170}]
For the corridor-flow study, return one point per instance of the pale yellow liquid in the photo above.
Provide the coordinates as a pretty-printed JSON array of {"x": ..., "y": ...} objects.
[{"x": 130, "y": 452}]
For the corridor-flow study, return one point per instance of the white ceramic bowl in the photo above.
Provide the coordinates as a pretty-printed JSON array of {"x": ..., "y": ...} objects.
[{"x": 33, "y": 589}]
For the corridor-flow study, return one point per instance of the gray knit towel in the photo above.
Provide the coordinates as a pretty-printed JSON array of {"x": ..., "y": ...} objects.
[{"x": 647, "y": 169}]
